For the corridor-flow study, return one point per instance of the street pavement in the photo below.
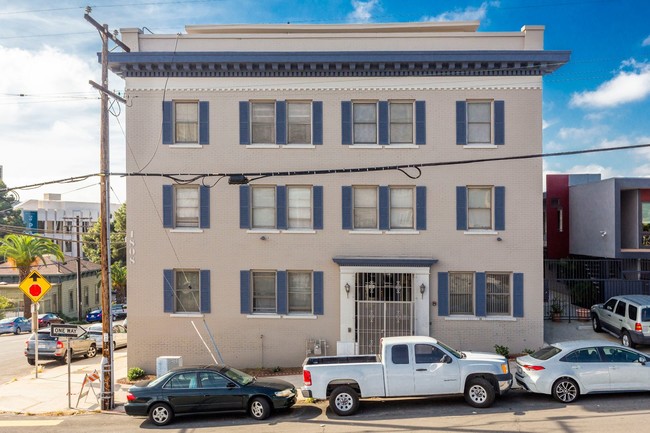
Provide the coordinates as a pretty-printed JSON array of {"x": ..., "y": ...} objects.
[{"x": 48, "y": 394}]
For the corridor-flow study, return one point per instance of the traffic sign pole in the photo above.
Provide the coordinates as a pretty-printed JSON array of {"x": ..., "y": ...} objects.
[
  {"x": 35, "y": 326},
  {"x": 69, "y": 355}
]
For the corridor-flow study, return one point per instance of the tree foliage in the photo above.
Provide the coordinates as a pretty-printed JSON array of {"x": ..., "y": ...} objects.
[
  {"x": 9, "y": 217},
  {"x": 91, "y": 239},
  {"x": 25, "y": 252}
]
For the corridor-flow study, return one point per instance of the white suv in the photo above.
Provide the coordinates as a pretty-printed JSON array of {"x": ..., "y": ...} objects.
[{"x": 626, "y": 317}]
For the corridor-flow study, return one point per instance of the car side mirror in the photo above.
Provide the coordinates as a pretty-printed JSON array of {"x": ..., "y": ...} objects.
[
  {"x": 642, "y": 360},
  {"x": 445, "y": 359},
  {"x": 231, "y": 385}
]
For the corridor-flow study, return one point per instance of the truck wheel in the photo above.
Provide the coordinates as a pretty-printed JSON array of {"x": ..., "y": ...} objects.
[
  {"x": 565, "y": 390},
  {"x": 344, "y": 401},
  {"x": 626, "y": 340},
  {"x": 595, "y": 323},
  {"x": 479, "y": 392}
]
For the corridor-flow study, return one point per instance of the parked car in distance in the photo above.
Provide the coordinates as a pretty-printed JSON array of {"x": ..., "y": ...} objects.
[
  {"x": 207, "y": 389},
  {"x": 46, "y": 319},
  {"x": 570, "y": 369},
  {"x": 118, "y": 311},
  {"x": 119, "y": 336},
  {"x": 15, "y": 325},
  {"x": 56, "y": 348},
  {"x": 94, "y": 316},
  {"x": 626, "y": 317},
  {"x": 408, "y": 367}
]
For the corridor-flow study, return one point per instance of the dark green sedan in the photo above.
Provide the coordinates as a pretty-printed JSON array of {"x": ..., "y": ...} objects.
[{"x": 207, "y": 389}]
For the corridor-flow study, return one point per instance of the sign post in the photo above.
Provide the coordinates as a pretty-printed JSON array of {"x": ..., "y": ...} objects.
[
  {"x": 67, "y": 331},
  {"x": 35, "y": 286}
]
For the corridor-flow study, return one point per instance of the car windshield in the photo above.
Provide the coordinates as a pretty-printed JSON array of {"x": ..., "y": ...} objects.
[
  {"x": 454, "y": 352},
  {"x": 237, "y": 376},
  {"x": 546, "y": 353},
  {"x": 43, "y": 336},
  {"x": 645, "y": 315}
]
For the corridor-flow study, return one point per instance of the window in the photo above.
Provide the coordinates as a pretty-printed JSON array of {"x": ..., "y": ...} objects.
[
  {"x": 263, "y": 207},
  {"x": 497, "y": 293},
  {"x": 182, "y": 381},
  {"x": 300, "y": 292},
  {"x": 401, "y": 208},
  {"x": 187, "y": 206},
  {"x": 461, "y": 293},
  {"x": 614, "y": 354},
  {"x": 401, "y": 123},
  {"x": 186, "y": 291},
  {"x": 365, "y": 208},
  {"x": 212, "y": 380},
  {"x": 264, "y": 299},
  {"x": 71, "y": 301},
  {"x": 365, "y": 123},
  {"x": 479, "y": 208},
  {"x": 589, "y": 354},
  {"x": 620, "y": 308},
  {"x": 263, "y": 122},
  {"x": 186, "y": 122},
  {"x": 609, "y": 306},
  {"x": 97, "y": 289},
  {"x": 298, "y": 123},
  {"x": 427, "y": 354},
  {"x": 400, "y": 354},
  {"x": 479, "y": 122},
  {"x": 299, "y": 207},
  {"x": 86, "y": 300},
  {"x": 632, "y": 311}
]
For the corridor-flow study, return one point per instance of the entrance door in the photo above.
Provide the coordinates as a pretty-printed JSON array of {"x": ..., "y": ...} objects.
[{"x": 384, "y": 308}]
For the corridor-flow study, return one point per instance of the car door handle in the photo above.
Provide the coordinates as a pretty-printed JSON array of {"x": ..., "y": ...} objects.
[
  {"x": 421, "y": 369},
  {"x": 576, "y": 367}
]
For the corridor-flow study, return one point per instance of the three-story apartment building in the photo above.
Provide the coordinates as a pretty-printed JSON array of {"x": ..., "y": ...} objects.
[{"x": 270, "y": 212}]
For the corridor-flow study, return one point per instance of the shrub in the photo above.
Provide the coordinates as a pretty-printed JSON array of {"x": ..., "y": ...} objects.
[
  {"x": 502, "y": 350},
  {"x": 135, "y": 373}
]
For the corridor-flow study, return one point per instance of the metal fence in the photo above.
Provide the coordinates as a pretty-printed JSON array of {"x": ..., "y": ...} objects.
[
  {"x": 11, "y": 312},
  {"x": 572, "y": 285}
]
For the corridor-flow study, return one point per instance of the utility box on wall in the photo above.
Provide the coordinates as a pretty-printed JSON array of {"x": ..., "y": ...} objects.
[{"x": 166, "y": 363}]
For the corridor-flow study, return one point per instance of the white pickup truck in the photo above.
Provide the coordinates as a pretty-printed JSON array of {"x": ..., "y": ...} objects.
[{"x": 407, "y": 367}]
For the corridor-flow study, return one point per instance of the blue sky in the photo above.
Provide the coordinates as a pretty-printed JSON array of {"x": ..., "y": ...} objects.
[{"x": 601, "y": 98}]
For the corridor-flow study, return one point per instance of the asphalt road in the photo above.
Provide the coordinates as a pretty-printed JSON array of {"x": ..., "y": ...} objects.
[
  {"x": 12, "y": 357},
  {"x": 516, "y": 412}
]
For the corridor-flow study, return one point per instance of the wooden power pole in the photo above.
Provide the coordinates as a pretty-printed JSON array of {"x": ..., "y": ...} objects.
[{"x": 107, "y": 394}]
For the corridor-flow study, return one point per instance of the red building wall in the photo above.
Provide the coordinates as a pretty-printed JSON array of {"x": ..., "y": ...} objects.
[{"x": 557, "y": 216}]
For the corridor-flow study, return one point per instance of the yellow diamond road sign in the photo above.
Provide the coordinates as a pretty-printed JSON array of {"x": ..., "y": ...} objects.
[{"x": 35, "y": 286}]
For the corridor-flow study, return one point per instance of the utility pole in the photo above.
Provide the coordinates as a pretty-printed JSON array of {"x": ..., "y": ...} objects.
[{"x": 108, "y": 394}]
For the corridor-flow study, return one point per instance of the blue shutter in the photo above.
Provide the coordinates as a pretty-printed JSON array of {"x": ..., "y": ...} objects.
[
  {"x": 317, "y": 120},
  {"x": 319, "y": 308},
  {"x": 443, "y": 294},
  {"x": 420, "y": 123},
  {"x": 245, "y": 291},
  {"x": 480, "y": 294},
  {"x": 499, "y": 208},
  {"x": 168, "y": 290},
  {"x": 317, "y": 192},
  {"x": 384, "y": 208},
  {"x": 383, "y": 122},
  {"x": 346, "y": 207},
  {"x": 461, "y": 208},
  {"x": 281, "y": 207},
  {"x": 204, "y": 200},
  {"x": 282, "y": 292},
  {"x": 168, "y": 206},
  {"x": 244, "y": 207},
  {"x": 346, "y": 122},
  {"x": 280, "y": 122},
  {"x": 168, "y": 122},
  {"x": 205, "y": 290},
  {"x": 204, "y": 122},
  {"x": 518, "y": 295},
  {"x": 421, "y": 208},
  {"x": 461, "y": 122},
  {"x": 244, "y": 123},
  {"x": 499, "y": 122}
]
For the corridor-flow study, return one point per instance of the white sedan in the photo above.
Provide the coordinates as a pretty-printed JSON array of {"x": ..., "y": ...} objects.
[
  {"x": 119, "y": 335},
  {"x": 569, "y": 369}
]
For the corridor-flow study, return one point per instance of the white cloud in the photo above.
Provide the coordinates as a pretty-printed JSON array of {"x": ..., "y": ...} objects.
[
  {"x": 468, "y": 14},
  {"x": 580, "y": 134},
  {"x": 641, "y": 171},
  {"x": 646, "y": 42},
  {"x": 631, "y": 84},
  {"x": 363, "y": 10}
]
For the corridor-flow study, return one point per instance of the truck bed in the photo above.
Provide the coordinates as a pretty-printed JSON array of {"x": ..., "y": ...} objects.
[{"x": 354, "y": 359}]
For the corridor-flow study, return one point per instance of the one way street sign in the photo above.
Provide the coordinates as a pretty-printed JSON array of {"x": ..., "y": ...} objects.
[{"x": 71, "y": 331}]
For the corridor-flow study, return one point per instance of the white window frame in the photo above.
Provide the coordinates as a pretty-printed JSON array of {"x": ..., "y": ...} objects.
[
  {"x": 488, "y": 295},
  {"x": 271, "y": 123},
  {"x": 187, "y": 288},
  {"x": 297, "y": 123},
  {"x": 391, "y": 122},
  {"x": 186, "y": 222},
  {"x": 260, "y": 207},
  {"x": 274, "y": 310},
  {"x": 392, "y": 208},
  {"x": 291, "y": 206},
  {"x": 462, "y": 291},
  {"x": 489, "y": 123},
  {"x": 355, "y": 207},
  {"x": 191, "y": 123},
  {"x": 470, "y": 226},
  {"x": 298, "y": 291},
  {"x": 356, "y": 104}
]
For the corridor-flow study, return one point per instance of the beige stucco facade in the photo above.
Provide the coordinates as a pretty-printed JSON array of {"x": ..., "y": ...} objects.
[{"x": 225, "y": 249}]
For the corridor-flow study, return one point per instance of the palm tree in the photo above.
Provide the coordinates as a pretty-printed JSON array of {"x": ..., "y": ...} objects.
[{"x": 25, "y": 252}]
